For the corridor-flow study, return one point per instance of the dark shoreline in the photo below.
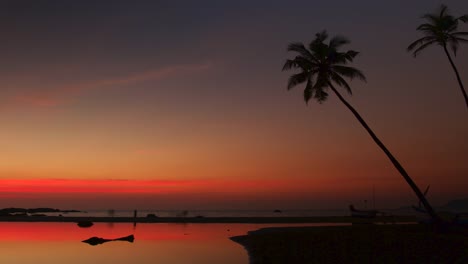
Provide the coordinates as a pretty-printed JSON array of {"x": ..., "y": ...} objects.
[
  {"x": 416, "y": 243},
  {"x": 240, "y": 220}
]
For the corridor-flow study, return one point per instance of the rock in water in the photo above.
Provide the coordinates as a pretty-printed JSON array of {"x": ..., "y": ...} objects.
[{"x": 85, "y": 223}]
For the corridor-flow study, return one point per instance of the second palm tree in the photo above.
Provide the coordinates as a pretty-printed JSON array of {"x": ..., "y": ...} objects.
[{"x": 441, "y": 29}]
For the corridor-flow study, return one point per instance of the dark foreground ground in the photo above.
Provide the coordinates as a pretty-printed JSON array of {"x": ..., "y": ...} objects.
[{"x": 414, "y": 243}]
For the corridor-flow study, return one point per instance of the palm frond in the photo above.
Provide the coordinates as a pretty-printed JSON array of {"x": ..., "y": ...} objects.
[
  {"x": 320, "y": 84},
  {"x": 289, "y": 64},
  {"x": 418, "y": 42},
  {"x": 460, "y": 34},
  {"x": 423, "y": 46},
  {"x": 319, "y": 49},
  {"x": 463, "y": 18},
  {"x": 297, "y": 79},
  {"x": 299, "y": 48},
  {"x": 343, "y": 57},
  {"x": 337, "y": 42},
  {"x": 300, "y": 62},
  {"x": 308, "y": 92},
  {"x": 434, "y": 19},
  {"x": 321, "y": 96},
  {"x": 321, "y": 36},
  {"x": 443, "y": 10},
  {"x": 317, "y": 46},
  {"x": 426, "y": 26},
  {"x": 349, "y": 72},
  {"x": 450, "y": 25},
  {"x": 463, "y": 40},
  {"x": 453, "y": 42},
  {"x": 350, "y": 54},
  {"x": 341, "y": 82}
]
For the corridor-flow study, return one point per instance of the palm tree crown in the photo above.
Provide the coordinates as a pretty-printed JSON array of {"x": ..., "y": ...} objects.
[
  {"x": 320, "y": 65},
  {"x": 441, "y": 29}
]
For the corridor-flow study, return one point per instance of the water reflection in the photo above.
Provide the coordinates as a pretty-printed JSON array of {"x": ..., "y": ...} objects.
[
  {"x": 29, "y": 243},
  {"x": 32, "y": 243}
]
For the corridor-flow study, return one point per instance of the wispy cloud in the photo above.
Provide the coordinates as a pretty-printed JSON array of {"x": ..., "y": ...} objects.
[{"x": 61, "y": 94}]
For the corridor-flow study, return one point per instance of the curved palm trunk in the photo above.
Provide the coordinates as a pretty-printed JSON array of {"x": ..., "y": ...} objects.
[
  {"x": 395, "y": 162},
  {"x": 458, "y": 76}
]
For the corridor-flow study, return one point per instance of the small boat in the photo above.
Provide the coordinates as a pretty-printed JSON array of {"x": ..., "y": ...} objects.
[
  {"x": 362, "y": 213},
  {"x": 85, "y": 224}
]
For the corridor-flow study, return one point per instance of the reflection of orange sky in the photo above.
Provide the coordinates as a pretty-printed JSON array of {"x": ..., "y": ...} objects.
[
  {"x": 161, "y": 243},
  {"x": 71, "y": 232}
]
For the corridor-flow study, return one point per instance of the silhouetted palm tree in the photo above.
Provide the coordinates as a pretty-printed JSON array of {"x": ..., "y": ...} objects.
[
  {"x": 441, "y": 29},
  {"x": 322, "y": 66}
]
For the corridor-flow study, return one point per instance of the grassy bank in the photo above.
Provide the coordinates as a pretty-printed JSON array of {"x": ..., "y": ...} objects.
[{"x": 355, "y": 244}]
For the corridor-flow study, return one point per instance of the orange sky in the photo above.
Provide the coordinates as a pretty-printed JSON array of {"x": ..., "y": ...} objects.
[{"x": 189, "y": 109}]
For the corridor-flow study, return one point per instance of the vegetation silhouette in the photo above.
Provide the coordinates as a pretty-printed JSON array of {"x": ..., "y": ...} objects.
[
  {"x": 441, "y": 29},
  {"x": 323, "y": 64}
]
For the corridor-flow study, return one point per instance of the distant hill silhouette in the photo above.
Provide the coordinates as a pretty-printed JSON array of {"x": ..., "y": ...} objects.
[{"x": 23, "y": 211}]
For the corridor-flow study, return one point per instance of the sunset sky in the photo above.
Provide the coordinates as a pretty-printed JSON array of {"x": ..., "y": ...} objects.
[{"x": 183, "y": 105}]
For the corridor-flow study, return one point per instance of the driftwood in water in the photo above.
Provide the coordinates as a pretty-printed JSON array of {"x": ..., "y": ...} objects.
[{"x": 93, "y": 241}]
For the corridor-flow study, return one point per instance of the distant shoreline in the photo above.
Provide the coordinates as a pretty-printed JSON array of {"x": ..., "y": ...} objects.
[{"x": 240, "y": 220}]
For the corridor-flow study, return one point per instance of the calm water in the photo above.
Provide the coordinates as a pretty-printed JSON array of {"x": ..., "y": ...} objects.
[{"x": 33, "y": 243}]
